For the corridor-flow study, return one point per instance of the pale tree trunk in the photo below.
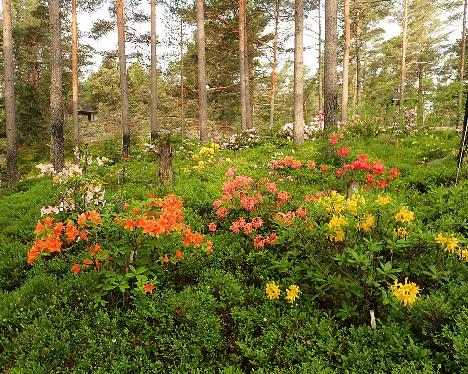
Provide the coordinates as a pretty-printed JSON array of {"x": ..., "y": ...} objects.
[
  {"x": 330, "y": 60},
  {"x": 75, "y": 93},
  {"x": 154, "y": 75},
  {"x": 202, "y": 96},
  {"x": 420, "y": 112},
  {"x": 347, "y": 46},
  {"x": 462, "y": 63},
  {"x": 358, "y": 43},
  {"x": 182, "y": 86},
  {"x": 355, "y": 91},
  {"x": 123, "y": 78},
  {"x": 273, "y": 68},
  {"x": 320, "y": 69},
  {"x": 9, "y": 94},
  {"x": 56, "y": 95},
  {"x": 403, "y": 56},
  {"x": 243, "y": 65},
  {"x": 299, "y": 73},
  {"x": 249, "y": 73}
]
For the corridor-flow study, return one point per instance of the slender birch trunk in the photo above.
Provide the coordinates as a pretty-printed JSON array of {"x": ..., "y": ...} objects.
[
  {"x": 403, "y": 56},
  {"x": 462, "y": 62},
  {"x": 320, "y": 68},
  {"x": 182, "y": 81}
]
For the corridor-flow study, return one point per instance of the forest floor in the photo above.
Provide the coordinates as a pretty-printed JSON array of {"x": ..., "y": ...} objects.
[{"x": 134, "y": 282}]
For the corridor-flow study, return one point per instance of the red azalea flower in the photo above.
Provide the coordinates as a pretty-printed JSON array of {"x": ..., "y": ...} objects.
[
  {"x": 149, "y": 287},
  {"x": 343, "y": 151}
]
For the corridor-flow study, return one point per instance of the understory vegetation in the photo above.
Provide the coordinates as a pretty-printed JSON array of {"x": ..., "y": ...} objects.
[{"x": 343, "y": 255}]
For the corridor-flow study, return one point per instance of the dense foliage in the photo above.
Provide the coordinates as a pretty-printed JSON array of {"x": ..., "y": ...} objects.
[{"x": 266, "y": 259}]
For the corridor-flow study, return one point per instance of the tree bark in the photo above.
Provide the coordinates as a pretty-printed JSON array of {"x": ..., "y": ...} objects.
[
  {"x": 403, "y": 56},
  {"x": 154, "y": 75},
  {"x": 123, "y": 79},
  {"x": 182, "y": 83},
  {"x": 10, "y": 102},
  {"x": 330, "y": 82},
  {"x": 320, "y": 69},
  {"x": 358, "y": 43},
  {"x": 56, "y": 95},
  {"x": 248, "y": 74},
  {"x": 165, "y": 156},
  {"x": 462, "y": 62},
  {"x": 299, "y": 73},
  {"x": 420, "y": 113},
  {"x": 274, "y": 65},
  {"x": 202, "y": 96},
  {"x": 347, "y": 46},
  {"x": 75, "y": 92},
  {"x": 243, "y": 65}
]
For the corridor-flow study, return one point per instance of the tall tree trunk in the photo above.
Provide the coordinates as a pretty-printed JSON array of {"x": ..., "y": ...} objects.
[
  {"x": 56, "y": 95},
  {"x": 243, "y": 64},
  {"x": 202, "y": 96},
  {"x": 299, "y": 73},
  {"x": 75, "y": 93},
  {"x": 330, "y": 79},
  {"x": 420, "y": 113},
  {"x": 10, "y": 103},
  {"x": 123, "y": 78},
  {"x": 403, "y": 56},
  {"x": 355, "y": 90},
  {"x": 320, "y": 69},
  {"x": 358, "y": 46},
  {"x": 462, "y": 63},
  {"x": 182, "y": 86},
  {"x": 154, "y": 75},
  {"x": 249, "y": 73},
  {"x": 347, "y": 46},
  {"x": 273, "y": 68}
]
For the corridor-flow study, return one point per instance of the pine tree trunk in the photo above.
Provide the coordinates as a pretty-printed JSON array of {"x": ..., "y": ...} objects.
[
  {"x": 182, "y": 86},
  {"x": 202, "y": 96},
  {"x": 420, "y": 113},
  {"x": 75, "y": 92},
  {"x": 299, "y": 73},
  {"x": 242, "y": 65},
  {"x": 249, "y": 73},
  {"x": 403, "y": 57},
  {"x": 9, "y": 94},
  {"x": 154, "y": 75},
  {"x": 123, "y": 78},
  {"x": 320, "y": 68},
  {"x": 273, "y": 68},
  {"x": 347, "y": 46},
  {"x": 165, "y": 156},
  {"x": 358, "y": 46},
  {"x": 462, "y": 63},
  {"x": 330, "y": 61},
  {"x": 56, "y": 95}
]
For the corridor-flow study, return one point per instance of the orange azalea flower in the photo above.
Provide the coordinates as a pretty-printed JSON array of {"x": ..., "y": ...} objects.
[
  {"x": 302, "y": 212},
  {"x": 95, "y": 248},
  {"x": 84, "y": 235},
  {"x": 271, "y": 240},
  {"x": 212, "y": 227},
  {"x": 259, "y": 242},
  {"x": 149, "y": 288},
  {"x": 222, "y": 212},
  {"x": 129, "y": 225},
  {"x": 81, "y": 219},
  {"x": 87, "y": 262},
  {"x": 33, "y": 253},
  {"x": 166, "y": 259},
  {"x": 94, "y": 216},
  {"x": 71, "y": 232},
  {"x": 179, "y": 255},
  {"x": 209, "y": 244},
  {"x": 76, "y": 268}
]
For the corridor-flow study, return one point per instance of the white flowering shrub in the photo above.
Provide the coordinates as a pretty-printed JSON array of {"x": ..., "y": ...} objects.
[{"x": 246, "y": 139}]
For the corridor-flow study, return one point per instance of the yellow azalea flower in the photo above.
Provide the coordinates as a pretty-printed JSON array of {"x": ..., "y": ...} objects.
[
  {"x": 401, "y": 232},
  {"x": 337, "y": 221},
  {"x": 273, "y": 291},
  {"x": 383, "y": 200},
  {"x": 367, "y": 222},
  {"x": 440, "y": 239},
  {"x": 338, "y": 236},
  {"x": 405, "y": 293},
  {"x": 292, "y": 293},
  {"x": 451, "y": 244},
  {"x": 463, "y": 254},
  {"x": 404, "y": 215}
]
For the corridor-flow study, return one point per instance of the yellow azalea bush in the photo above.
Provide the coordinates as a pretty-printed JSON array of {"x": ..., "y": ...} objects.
[
  {"x": 273, "y": 292},
  {"x": 206, "y": 156},
  {"x": 452, "y": 244},
  {"x": 405, "y": 292}
]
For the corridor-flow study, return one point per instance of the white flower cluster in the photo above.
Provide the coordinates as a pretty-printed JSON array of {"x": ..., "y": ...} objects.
[
  {"x": 94, "y": 194},
  {"x": 310, "y": 131},
  {"x": 246, "y": 139},
  {"x": 67, "y": 172}
]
